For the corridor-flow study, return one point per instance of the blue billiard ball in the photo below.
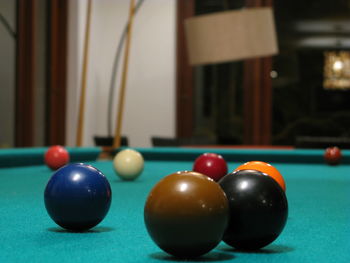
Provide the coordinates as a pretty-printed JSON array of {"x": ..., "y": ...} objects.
[{"x": 77, "y": 197}]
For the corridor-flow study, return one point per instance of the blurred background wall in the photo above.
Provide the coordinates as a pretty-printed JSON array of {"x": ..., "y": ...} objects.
[
  {"x": 7, "y": 75},
  {"x": 150, "y": 93}
]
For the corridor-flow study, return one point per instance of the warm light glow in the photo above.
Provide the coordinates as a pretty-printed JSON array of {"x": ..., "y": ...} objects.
[
  {"x": 274, "y": 74},
  {"x": 338, "y": 65},
  {"x": 337, "y": 70}
]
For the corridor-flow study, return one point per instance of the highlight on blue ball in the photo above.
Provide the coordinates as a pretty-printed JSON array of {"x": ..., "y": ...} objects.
[{"x": 78, "y": 197}]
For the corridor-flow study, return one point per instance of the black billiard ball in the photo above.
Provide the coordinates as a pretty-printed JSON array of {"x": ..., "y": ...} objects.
[
  {"x": 333, "y": 155},
  {"x": 186, "y": 214},
  {"x": 77, "y": 197},
  {"x": 258, "y": 209}
]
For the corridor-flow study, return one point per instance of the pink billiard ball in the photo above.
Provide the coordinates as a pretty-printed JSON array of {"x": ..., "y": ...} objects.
[
  {"x": 56, "y": 157},
  {"x": 332, "y": 155},
  {"x": 212, "y": 165}
]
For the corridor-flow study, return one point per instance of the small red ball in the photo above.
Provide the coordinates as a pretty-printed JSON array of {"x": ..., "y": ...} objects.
[
  {"x": 56, "y": 157},
  {"x": 212, "y": 165},
  {"x": 333, "y": 155}
]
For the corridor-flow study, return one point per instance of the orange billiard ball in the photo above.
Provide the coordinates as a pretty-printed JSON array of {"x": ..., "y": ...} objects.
[
  {"x": 332, "y": 155},
  {"x": 265, "y": 168}
]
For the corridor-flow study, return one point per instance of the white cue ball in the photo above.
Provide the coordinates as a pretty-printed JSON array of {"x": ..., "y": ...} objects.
[{"x": 128, "y": 164}]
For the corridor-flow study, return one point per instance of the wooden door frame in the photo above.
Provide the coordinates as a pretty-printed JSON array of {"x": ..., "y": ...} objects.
[
  {"x": 56, "y": 100},
  {"x": 56, "y": 73},
  {"x": 257, "y": 94},
  {"x": 184, "y": 73},
  {"x": 25, "y": 72},
  {"x": 256, "y": 83}
]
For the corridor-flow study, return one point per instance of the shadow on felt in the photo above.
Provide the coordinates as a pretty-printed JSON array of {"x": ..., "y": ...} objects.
[
  {"x": 98, "y": 229},
  {"x": 210, "y": 257},
  {"x": 271, "y": 249}
]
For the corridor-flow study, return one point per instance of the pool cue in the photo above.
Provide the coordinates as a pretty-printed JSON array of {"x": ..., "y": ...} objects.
[
  {"x": 117, "y": 136},
  {"x": 79, "y": 135},
  {"x": 115, "y": 69}
]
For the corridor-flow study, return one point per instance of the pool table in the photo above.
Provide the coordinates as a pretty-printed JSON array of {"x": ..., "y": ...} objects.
[{"x": 317, "y": 229}]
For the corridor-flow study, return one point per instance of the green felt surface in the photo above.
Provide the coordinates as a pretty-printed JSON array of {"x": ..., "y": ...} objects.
[{"x": 318, "y": 227}]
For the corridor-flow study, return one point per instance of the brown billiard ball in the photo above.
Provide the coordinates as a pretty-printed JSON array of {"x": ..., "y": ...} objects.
[
  {"x": 186, "y": 214},
  {"x": 332, "y": 155}
]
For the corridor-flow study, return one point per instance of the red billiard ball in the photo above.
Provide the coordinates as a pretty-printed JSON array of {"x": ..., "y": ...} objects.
[
  {"x": 212, "y": 165},
  {"x": 56, "y": 157},
  {"x": 333, "y": 155}
]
